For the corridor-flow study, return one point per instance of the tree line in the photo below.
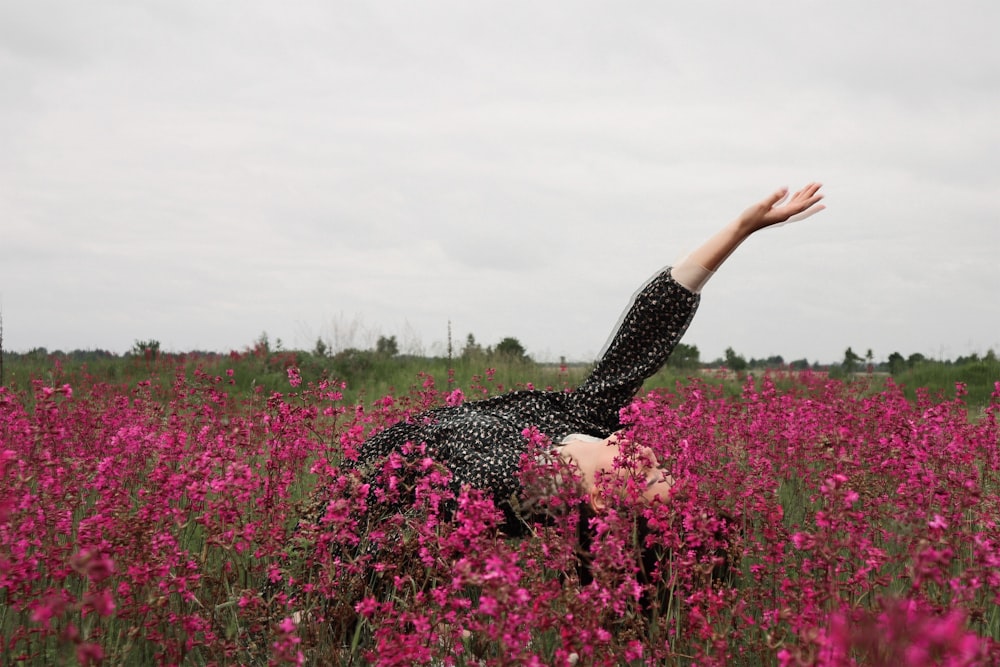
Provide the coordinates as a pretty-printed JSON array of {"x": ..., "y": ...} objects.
[
  {"x": 384, "y": 366},
  {"x": 684, "y": 357}
]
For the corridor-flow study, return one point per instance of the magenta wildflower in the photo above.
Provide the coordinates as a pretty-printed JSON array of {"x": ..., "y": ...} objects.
[
  {"x": 89, "y": 654},
  {"x": 454, "y": 398},
  {"x": 97, "y": 566},
  {"x": 101, "y": 601}
]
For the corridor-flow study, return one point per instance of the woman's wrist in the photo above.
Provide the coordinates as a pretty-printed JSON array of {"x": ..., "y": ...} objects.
[
  {"x": 743, "y": 227},
  {"x": 690, "y": 275}
]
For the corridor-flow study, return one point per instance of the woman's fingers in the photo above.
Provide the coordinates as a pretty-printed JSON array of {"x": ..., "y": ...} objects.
[
  {"x": 805, "y": 203},
  {"x": 776, "y": 198},
  {"x": 805, "y": 197},
  {"x": 779, "y": 207}
]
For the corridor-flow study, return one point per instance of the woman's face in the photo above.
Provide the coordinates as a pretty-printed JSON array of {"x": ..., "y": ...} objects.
[{"x": 597, "y": 458}]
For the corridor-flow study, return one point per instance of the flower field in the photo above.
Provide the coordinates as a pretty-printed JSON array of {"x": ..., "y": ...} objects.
[{"x": 173, "y": 523}]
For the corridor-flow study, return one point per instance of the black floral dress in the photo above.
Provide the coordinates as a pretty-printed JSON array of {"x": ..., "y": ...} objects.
[{"x": 482, "y": 442}]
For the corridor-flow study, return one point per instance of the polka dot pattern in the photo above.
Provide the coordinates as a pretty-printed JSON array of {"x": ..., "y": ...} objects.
[{"x": 482, "y": 442}]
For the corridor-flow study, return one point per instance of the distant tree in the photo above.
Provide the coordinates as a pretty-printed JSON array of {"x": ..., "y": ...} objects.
[
  {"x": 971, "y": 359},
  {"x": 990, "y": 357},
  {"x": 91, "y": 355},
  {"x": 915, "y": 359},
  {"x": 799, "y": 365},
  {"x": 353, "y": 363},
  {"x": 684, "y": 356},
  {"x": 386, "y": 347},
  {"x": 262, "y": 346},
  {"x": 851, "y": 359},
  {"x": 735, "y": 362},
  {"x": 897, "y": 364},
  {"x": 472, "y": 349},
  {"x": 511, "y": 348},
  {"x": 147, "y": 349},
  {"x": 321, "y": 348}
]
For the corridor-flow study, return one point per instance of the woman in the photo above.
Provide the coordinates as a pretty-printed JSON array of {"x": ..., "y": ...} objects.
[
  {"x": 482, "y": 443},
  {"x": 366, "y": 548}
]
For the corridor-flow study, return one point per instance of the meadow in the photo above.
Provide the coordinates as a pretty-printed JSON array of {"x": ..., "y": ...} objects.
[{"x": 195, "y": 514}]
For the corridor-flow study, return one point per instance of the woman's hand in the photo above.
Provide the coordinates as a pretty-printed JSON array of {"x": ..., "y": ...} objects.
[
  {"x": 706, "y": 258},
  {"x": 775, "y": 209}
]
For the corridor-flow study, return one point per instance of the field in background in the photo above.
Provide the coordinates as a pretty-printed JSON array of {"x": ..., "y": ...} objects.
[{"x": 369, "y": 375}]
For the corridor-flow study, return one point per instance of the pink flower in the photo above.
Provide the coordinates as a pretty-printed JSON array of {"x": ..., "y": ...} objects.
[
  {"x": 803, "y": 541},
  {"x": 97, "y": 566},
  {"x": 89, "y": 654},
  {"x": 51, "y": 606},
  {"x": 454, "y": 398},
  {"x": 294, "y": 378},
  {"x": 102, "y": 602},
  {"x": 488, "y": 605},
  {"x": 367, "y": 607}
]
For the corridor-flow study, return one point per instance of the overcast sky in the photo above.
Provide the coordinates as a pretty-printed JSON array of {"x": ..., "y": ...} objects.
[{"x": 201, "y": 172}]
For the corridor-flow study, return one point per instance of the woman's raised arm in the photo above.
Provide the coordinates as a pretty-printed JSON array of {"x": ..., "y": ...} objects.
[
  {"x": 695, "y": 269},
  {"x": 661, "y": 311}
]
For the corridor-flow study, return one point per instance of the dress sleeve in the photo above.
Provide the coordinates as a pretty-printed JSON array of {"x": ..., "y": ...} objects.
[{"x": 651, "y": 327}]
